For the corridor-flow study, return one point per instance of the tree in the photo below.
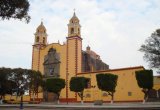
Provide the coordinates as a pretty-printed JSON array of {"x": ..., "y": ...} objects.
[
  {"x": 55, "y": 85},
  {"x": 17, "y": 9},
  {"x": 107, "y": 82},
  {"x": 21, "y": 78},
  {"x": 35, "y": 82},
  {"x": 151, "y": 50},
  {"x": 4, "y": 83},
  {"x": 78, "y": 84},
  {"x": 145, "y": 81}
]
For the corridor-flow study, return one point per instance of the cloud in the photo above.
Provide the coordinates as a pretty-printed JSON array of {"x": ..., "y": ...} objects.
[{"x": 114, "y": 29}]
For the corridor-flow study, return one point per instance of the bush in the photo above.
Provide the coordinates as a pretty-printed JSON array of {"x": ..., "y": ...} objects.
[{"x": 4, "y": 101}]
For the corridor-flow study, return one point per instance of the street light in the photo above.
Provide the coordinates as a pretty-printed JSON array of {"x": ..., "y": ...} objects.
[{"x": 21, "y": 103}]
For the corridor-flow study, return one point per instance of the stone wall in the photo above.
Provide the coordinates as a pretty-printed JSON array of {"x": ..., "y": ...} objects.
[{"x": 90, "y": 64}]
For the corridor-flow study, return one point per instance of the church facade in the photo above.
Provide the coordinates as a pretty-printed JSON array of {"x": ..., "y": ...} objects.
[{"x": 68, "y": 60}]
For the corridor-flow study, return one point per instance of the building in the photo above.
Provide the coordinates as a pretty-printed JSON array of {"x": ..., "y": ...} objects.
[
  {"x": 68, "y": 60},
  {"x": 65, "y": 61}
]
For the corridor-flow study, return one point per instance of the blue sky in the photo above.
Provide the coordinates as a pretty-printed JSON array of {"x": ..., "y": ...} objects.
[{"x": 115, "y": 29}]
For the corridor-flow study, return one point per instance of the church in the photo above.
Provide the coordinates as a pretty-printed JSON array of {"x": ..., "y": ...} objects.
[{"x": 68, "y": 59}]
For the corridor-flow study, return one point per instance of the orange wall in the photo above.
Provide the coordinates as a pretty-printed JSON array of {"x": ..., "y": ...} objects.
[{"x": 126, "y": 83}]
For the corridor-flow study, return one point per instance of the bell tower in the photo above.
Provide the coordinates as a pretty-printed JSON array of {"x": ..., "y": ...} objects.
[
  {"x": 74, "y": 53},
  {"x": 40, "y": 42},
  {"x": 40, "y": 35},
  {"x": 74, "y": 28}
]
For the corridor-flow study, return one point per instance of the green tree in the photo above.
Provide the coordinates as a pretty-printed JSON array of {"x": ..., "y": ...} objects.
[
  {"x": 151, "y": 50},
  {"x": 55, "y": 85},
  {"x": 78, "y": 84},
  {"x": 145, "y": 81},
  {"x": 21, "y": 78},
  {"x": 35, "y": 82},
  {"x": 4, "y": 83},
  {"x": 17, "y": 9},
  {"x": 107, "y": 82}
]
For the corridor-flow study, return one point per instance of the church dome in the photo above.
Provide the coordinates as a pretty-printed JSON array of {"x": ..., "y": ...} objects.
[
  {"x": 92, "y": 53},
  {"x": 41, "y": 28}
]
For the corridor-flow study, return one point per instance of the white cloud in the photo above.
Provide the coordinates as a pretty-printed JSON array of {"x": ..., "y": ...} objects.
[{"x": 115, "y": 29}]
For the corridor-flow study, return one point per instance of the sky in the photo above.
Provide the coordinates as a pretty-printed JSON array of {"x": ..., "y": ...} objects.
[{"x": 114, "y": 29}]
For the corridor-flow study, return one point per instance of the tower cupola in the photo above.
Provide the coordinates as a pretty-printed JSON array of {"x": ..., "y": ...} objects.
[
  {"x": 74, "y": 19},
  {"x": 41, "y": 35},
  {"x": 74, "y": 28},
  {"x": 41, "y": 28}
]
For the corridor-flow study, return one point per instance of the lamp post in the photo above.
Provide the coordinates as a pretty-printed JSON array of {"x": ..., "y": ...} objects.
[{"x": 21, "y": 103}]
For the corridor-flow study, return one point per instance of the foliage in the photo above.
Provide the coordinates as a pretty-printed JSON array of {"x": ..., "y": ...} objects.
[
  {"x": 145, "y": 81},
  {"x": 17, "y": 9},
  {"x": 55, "y": 85},
  {"x": 107, "y": 82},
  {"x": 78, "y": 84},
  {"x": 4, "y": 83},
  {"x": 21, "y": 78},
  {"x": 151, "y": 50},
  {"x": 35, "y": 81},
  {"x": 19, "y": 81}
]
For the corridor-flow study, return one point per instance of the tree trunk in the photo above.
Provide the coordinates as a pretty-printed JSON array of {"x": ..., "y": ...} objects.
[
  {"x": 157, "y": 94},
  {"x": 1, "y": 100},
  {"x": 46, "y": 96},
  {"x": 145, "y": 95},
  {"x": 58, "y": 98},
  {"x": 80, "y": 94},
  {"x": 81, "y": 97},
  {"x": 144, "y": 101},
  {"x": 112, "y": 98},
  {"x": 33, "y": 96},
  {"x": 82, "y": 102}
]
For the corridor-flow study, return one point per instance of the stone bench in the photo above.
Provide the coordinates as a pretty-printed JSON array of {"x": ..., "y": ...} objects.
[{"x": 98, "y": 102}]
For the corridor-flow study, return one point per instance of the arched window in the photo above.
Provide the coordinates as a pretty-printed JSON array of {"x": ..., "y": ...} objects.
[
  {"x": 37, "y": 39},
  {"x": 72, "y": 30},
  {"x": 43, "y": 40}
]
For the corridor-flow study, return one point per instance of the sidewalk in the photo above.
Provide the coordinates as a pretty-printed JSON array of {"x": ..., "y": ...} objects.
[{"x": 139, "y": 105}]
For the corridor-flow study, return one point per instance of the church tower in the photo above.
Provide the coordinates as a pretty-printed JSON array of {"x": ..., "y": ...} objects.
[
  {"x": 40, "y": 42},
  {"x": 41, "y": 35},
  {"x": 74, "y": 52},
  {"x": 74, "y": 27}
]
